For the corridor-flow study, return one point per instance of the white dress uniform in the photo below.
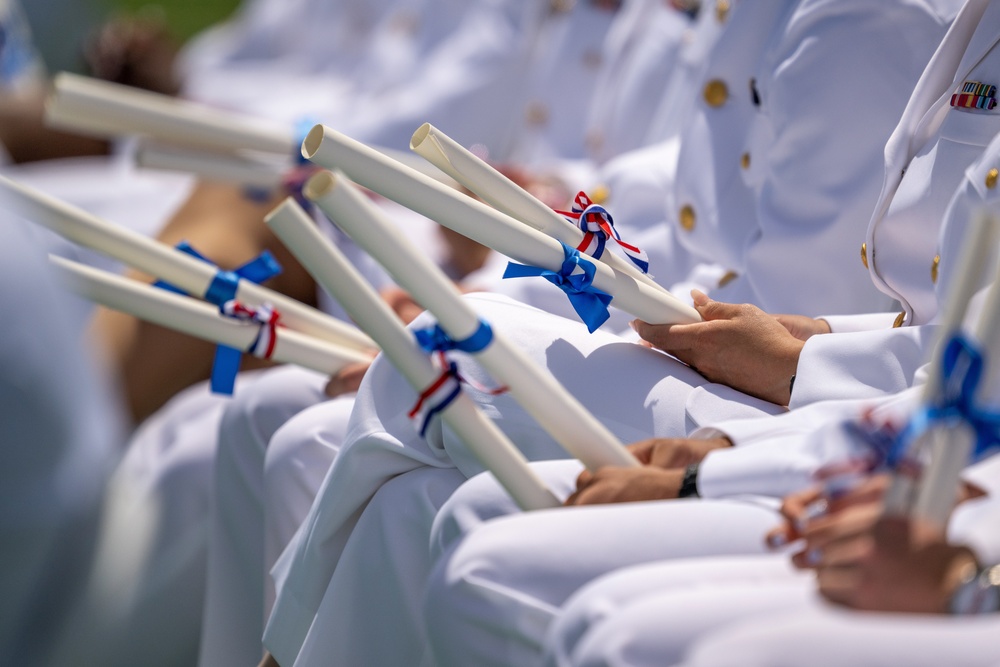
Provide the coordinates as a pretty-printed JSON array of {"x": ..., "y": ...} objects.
[
  {"x": 759, "y": 611},
  {"x": 237, "y": 547},
  {"x": 60, "y": 440},
  {"x": 325, "y": 532},
  {"x": 756, "y": 470}
]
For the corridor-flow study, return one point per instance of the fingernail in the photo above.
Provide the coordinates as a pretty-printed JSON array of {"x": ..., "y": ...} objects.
[
  {"x": 698, "y": 297},
  {"x": 814, "y": 556},
  {"x": 634, "y": 326},
  {"x": 812, "y": 511},
  {"x": 777, "y": 540}
]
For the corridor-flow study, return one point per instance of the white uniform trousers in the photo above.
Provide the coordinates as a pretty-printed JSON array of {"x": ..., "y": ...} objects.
[
  {"x": 234, "y": 595},
  {"x": 494, "y": 593}
]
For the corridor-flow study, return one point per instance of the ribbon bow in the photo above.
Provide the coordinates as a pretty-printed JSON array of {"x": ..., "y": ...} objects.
[
  {"x": 598, "y": 226},
  {"x": 962, "y": 370},
  {"x": 445, "y": 389},
  {"x": 590, "y": 303},
  {"x": 227, "y": 359},
  {"x": 221, "y": 291}
]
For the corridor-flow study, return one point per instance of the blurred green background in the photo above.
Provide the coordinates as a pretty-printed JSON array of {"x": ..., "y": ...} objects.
[
  {"x": 61, "y": 26},
  {"x": 185, "y": 17}
]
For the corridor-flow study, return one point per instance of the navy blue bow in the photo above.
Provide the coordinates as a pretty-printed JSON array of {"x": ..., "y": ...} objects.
[
  {"x": 435, "y": 339},
  {"x": 222, "y": 289},
  {"x": 962, "y": 370},
  {"x": 590, "y": 303}
]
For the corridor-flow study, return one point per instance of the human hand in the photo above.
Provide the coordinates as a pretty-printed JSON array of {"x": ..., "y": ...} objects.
[
  {"x": 803, "y": 327},
  {"x": 401, "y": 303},
  {"x": 898, "y": 565},
  {"x": 672, "y": 453},
  {"x": 738, "y": 345},
  {"x": 612, "y": 484},
  {"x": 347, "y": 379},
  {"x": 800, "y": 508}
]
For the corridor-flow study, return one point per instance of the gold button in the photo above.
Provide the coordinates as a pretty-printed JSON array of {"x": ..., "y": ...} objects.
[
  {"x": 600, "y": 194},
  {"x": 899, "y": 320},
  {"x": 934, "y": 268},
  {"x": 991, "y": 178},
  {"x": 687, "y": 217},
  {"x": 864, "y": 254},
  {"x": 728, "y": 278},
  {"x": 722, "y": 10},
  {"x": 536, "y": 114},
  {"x": 561, "y": 6},
  {"x": 716, "y": 93},
  {"x": 745, "y": 160}
]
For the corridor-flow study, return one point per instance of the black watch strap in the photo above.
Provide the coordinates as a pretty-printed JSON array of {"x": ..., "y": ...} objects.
[{"x": 689, "y": 483}]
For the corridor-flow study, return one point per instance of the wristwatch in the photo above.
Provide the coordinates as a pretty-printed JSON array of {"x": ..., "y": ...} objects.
[
  {"x": 978, "y": 592},
  {"x": 689, "y": 483}
]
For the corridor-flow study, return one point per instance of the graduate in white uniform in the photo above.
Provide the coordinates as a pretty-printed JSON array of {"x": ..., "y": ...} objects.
[
  {"x": 754, "y": 470},
  {"x": 337, "y": 525}
]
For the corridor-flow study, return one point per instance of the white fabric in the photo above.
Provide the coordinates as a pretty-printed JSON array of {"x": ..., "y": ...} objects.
[
  {"x": 60, "y": 441},
  {"x": 494, "y": 594},
  {"x": 234, "y": 597}
]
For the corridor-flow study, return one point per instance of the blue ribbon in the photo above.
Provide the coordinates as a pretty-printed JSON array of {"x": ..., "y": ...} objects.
[
  {"x": 962, "y": 370},
  {"x": 302, "y": 128},
  {"x": 226, "y": 363},
  {"x": 590, "y": 303},
  {"x": 435, "y": 339}
]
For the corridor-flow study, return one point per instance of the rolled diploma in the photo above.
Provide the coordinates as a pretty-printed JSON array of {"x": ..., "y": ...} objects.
[
  {"x": 107, "y": 109},
  {"x": 504, "y": 194},
  {"x": 197, "y": 318},
  {"x": 166, "y": 263},
  {"x": 482, "y": 223},
  {"x": 211, "y": 166},
  {"x": 334, "y": 272},
  {"x": 950, "y": 450},
  {"x": 904, "y": 496},
  {"x": 541, "y": 395}
]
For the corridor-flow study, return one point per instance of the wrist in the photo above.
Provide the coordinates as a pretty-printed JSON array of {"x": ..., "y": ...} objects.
[
  {"x": 972, "y": 589},
  {"x": 689, "y": 482}
]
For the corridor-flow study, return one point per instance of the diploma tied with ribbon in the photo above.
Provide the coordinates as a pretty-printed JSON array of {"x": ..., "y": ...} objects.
[
  {"x": 336, "y": 274},
  {"x": 533, "y": 387}
]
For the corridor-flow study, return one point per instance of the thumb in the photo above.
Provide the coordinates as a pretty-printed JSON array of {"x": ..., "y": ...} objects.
[{"x": 710, "y": 309}]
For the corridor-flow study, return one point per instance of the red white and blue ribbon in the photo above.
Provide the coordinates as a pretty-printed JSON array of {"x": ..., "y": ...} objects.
[
  {"x": 589, "y": 302},
  {"x": 221, "y": 291},
  {"x": 962, "y": 370},
  {"x": 227, "y": 359},
  {"x": 889, "y": 448},
  {"x": 598, "y": 226},
  {"x": 446, "y": 387}
]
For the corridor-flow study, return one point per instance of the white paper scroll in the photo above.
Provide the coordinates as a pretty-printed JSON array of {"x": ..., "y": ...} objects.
[
  {"x": 950, "y": 449},
  {"x": 505, "y": 195},
  {"x": 166, "y": 263},
  {"x": 538, "y": 392},
  {"x": 336, "y": 274},
  {"x": 483, "y": 224},
  {"x": 933, "y": 496},
  {"x": 211, "y": 166},
  {"x": 104, "y": 109},
  {"x": 197, "y": 318}
]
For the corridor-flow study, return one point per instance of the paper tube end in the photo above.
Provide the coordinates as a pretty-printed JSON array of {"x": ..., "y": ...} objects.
[
  {"x": 419, "y": 136},
  {"x": 319, "y": 185},
  {"x": 313, "y": 141}
]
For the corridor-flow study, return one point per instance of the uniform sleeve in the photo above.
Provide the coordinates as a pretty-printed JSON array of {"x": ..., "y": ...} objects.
[{"x": 832, "y": 89}]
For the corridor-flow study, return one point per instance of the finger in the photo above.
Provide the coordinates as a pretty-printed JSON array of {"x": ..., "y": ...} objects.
[
  {"x": 780, "y": 536},
  {"x": 793, "y": 508},
  {"x": 842, "y": 553},
  {"x": 643, "y": 450},
  {"x": 584, "y": 479},
  {"x": 710, "y": 309}
]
